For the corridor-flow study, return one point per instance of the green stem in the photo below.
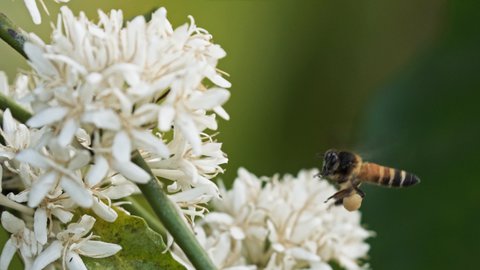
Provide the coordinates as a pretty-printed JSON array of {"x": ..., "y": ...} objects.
[
  {"x": 11, "y": 34},
  {"x": 18, "y": 112},
  {"x": 170, "y": 217},
  {"x": 136, "y": 208},
  {"x": 163, "y": 207}
]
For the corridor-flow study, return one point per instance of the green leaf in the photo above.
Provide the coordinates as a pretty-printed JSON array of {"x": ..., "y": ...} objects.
[{"x": 142, "y": 248}]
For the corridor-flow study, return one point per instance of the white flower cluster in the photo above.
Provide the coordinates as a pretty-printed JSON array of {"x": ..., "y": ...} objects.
[
  {"x": 281, "y": 223},
  {"x": 99, "y": 92},
  {"x": 33, "y": 9}
]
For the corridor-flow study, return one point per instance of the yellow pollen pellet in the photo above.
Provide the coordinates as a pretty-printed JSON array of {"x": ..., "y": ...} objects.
[{"x": 352, "y": 202}]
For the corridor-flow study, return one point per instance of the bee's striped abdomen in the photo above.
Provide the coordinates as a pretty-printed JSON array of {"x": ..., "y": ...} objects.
[{"x": 385, "y": 176}]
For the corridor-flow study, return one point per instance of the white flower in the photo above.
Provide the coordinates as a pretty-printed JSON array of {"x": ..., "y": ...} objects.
[
  {"x": 113, "y": 187},
  {"x": 283, "y": 225},
  {"x": 55, "y": 207},
  {"x": 129, "y": 82},
  {"x": 33, "y": 9},
  {"x": 22, "y": 239},
  {"x": 18, "y": 92},
  {"x": 98, "y": 92},
  {"x": 186, "y": 168},
  {"x": 190, "y": 173},
  {"x": 60, "y": 167},
  {"x": 127, "y": 78},
  {"x": 16, "y": 136},
  {"x": 73, "y": 242}
]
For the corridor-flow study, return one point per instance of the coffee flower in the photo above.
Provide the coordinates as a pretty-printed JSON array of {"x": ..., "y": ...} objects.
[
  {"x": 74, "y": 241},
  {"x": 99, "y": 91},
  {"x": 123, "y": 87},
  {"x": 21, "y": 238},
  {"x": 282, "y": 223}
]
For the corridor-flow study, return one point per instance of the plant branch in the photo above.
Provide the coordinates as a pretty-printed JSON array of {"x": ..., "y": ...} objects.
[
  {"x": 170, "y": 217},
  {"x": 12, "y": 35},
  {"x": 18, "y": 112}
]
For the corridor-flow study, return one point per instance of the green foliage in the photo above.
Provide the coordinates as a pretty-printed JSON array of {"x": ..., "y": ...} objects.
[{"x": 142, "y": 248}]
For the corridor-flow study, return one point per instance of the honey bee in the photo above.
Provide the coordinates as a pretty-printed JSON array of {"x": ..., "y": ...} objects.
[{"x": 349, "y": 171}]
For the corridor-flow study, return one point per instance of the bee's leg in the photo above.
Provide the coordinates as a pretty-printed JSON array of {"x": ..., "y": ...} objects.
[
  {"x": 336, "y": 203},
  {"x": 339, "y": 202},
  {"x": 359, "y": 191},
  {"x": 340, "y": 194}
]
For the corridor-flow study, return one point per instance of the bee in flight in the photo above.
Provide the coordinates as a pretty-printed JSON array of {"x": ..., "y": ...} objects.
[{"x": 349, "y": 171}]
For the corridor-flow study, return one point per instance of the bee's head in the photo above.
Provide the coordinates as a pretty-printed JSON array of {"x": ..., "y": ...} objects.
[{"x": 331, "y": 162}]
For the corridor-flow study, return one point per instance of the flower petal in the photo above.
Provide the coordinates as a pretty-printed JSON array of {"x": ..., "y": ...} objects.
[
  {"x": 78, "y": 193},
  {"x": 47, "y": 116},
  {"x": 63, "y": 215},
  {"x": 33, "y": 10},
  {"x": 68, "y": 132},
  {"x": 303, "y": 254},
  {"x": 132, "y": 172},
  {"x": 41, "y": 187},
  {"x": 98, "y": 249},
  {"x": 150, "y": 142},
  {"x": 74, "y": 261},
  {"x": 97, "y": 171},
  {"x": 9, "y": 125},
  {"x": 11, "y": 223},
  {"x": 33, "y": 158},
  {"x": 49, "y": 255},
  {"x": 193, "y": 195},
  {"x": 116, "y": 192},
  {"x": 82, "y": 227},
  {"x": 122, "y": 147},
  {"x": 20, "y": 197},
  {"x": 106, "y": 119},
  {"x": 166, "y": 114},
  {"x": 41, "y": 64},
  {"x": 8, "y": 251},
  {"x": 80, "y": 160},
  {"x": 40, "y": 225},
  {"x": 104, "y": 211},
  {"x": 213, "y": 76},
  {"x": 190, "y": 131},
  {"x": 221, "y": 112},
  {"x": 210, "y": 99}
]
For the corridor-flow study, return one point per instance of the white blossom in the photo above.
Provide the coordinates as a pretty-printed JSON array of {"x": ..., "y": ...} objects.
[
  {"x": 190, "y": 173},
  {"x": 74, "y": 241},
  {"x": 282, "y": 223},
  {"x": 21, "y": 239},
  {"x": 60, "y": 167},
  {"x": 122, "y": 79},
  {"x": 126, "y": 82},
  {"x": 113, "y": 187},
  {"x": 98, "y": 92}
]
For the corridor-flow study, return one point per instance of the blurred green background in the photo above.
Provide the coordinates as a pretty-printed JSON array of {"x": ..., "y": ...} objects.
[{"x": 397, "y": 81}]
